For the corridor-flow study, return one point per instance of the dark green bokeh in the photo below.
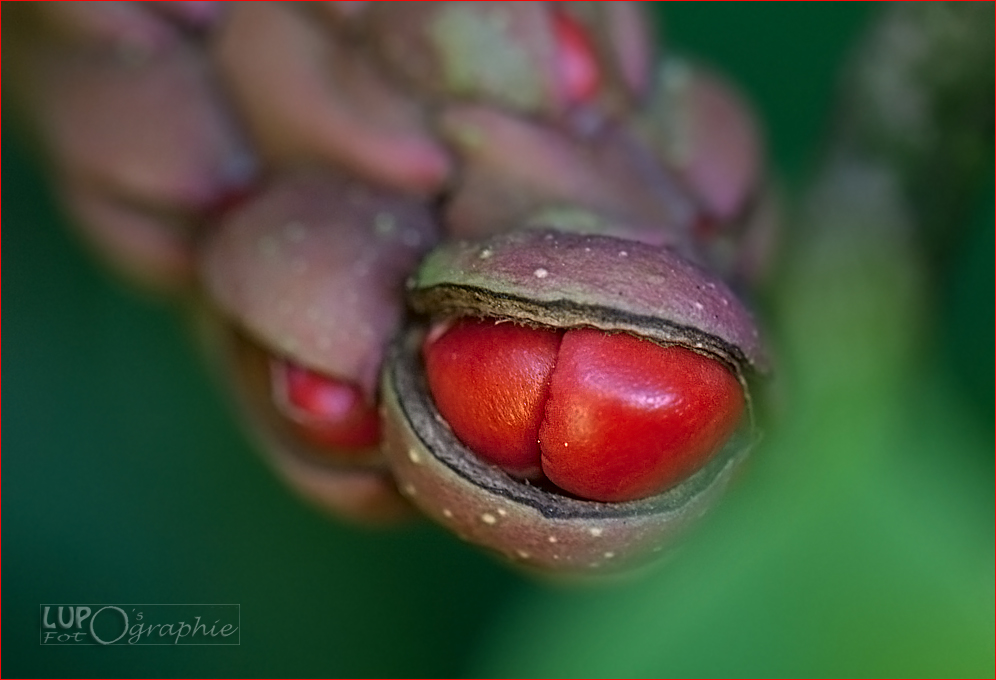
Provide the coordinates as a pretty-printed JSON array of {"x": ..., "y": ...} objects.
[{"x": 861, "y": 542}]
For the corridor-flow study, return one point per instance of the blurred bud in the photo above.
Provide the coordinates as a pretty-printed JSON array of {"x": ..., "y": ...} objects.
[
  {"x": 144, "y": 148},
  {"x": 705, "y": 131},
  {"x": 314, "y": 266},
  {"x": 514, "y": 166},
  {"x": 311, "y": 98},
  {"x": 527, "y": 57}
]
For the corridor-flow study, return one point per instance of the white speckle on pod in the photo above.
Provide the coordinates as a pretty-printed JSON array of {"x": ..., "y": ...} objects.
[
  {"x": 447, "y": 513},
  {"x": 268, "y": 246},
  {"x": 502, "y": 512},
  {"x": 408, "y": 489},
  {"x": 131, "y": 55},
  {"x": 699, "y": 306},
  {"x": 414, "y": 456},
  {"x": 485, "y": 253},
  {"x": 608, "y": 555},
  {"x": 288, "y": 344},
  {"x": 595, "y": 531},
  {"x": 522, "y": 554},
  {"x": 488, "y": 518},
  {"x": 384, "y": 224},
  {"x": 552, "y": 539},
  {"x": 541, "y": 273},
  {"x": 411, "y": 238},
  {"x": 295, "y": 232}
]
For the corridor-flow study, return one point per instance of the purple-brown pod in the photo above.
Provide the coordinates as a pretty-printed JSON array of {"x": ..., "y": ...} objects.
[
  {"x": 705, "y": 133},
  {"x": 141, "y": 142},
  {"x": 308, "y": 279},
  {"x": 620, "y": 31},
  {"x": 552, "y": 280},
  {"x": 515, "y": 166},
  {"x": 704, "y": 129},
  {"x": 531, "y": 57},
  {"x": 360, "y": 490},
  {"x": 315, "y": 97}
]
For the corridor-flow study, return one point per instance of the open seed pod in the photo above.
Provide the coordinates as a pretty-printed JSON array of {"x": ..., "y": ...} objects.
[
  {"x": 360, "y": 490},
  {"x": 307, "y": 282},
  {"x": 548, "y": 279}
]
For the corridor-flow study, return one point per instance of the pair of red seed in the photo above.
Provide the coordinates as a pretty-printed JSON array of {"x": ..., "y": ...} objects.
[{"x": 606, "y": 417}]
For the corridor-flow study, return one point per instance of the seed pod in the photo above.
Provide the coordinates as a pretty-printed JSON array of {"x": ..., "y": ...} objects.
[
  {"x": 705, "y": 133},
  {"x": 359, "y": 490},
  {"x": 552, "y": 279},
  {"x": 312, "y": 98},
  {"x": 514, "y": 167},
  {"x": 533, "y": 58},
  {"x": 705, "y": 130},
  {"x": 308, "y": 277},
  {"x": 140, "y": 140}
]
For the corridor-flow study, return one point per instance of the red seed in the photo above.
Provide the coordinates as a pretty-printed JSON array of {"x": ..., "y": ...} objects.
[
  {"x": 328, "y": 412},
  {"x": 576, "y": 58},
  {"x": 490, "y": 381},
  {"x": 627, "y": 418}
]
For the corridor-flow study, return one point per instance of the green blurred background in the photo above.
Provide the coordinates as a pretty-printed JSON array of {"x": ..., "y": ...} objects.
[{"x": 860, "y": 542}]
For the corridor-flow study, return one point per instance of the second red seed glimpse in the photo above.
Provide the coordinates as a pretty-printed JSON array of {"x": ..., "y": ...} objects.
[
  {"x": 579, "y": 70},
  {"x": 607, "y": 417},
  {"x": 326, "y": 411}
]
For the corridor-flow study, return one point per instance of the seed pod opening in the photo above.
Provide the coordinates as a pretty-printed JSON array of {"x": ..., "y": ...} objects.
[
  {"x": 582, "y": 287},
  {"x": 358, "y": 488}
]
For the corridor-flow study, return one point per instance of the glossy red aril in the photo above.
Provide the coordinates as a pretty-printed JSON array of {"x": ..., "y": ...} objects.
[
  {"x": 328, "y": 412},
  {"x": 490, "y": 381},
  {"x": 607, "y": 417},
  {"x": 627, "y": 418},
  {"x": 579, "y": 69}
]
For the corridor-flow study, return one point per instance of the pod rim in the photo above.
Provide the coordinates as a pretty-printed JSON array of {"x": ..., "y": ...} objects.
[{"x": 538, "y": 276}]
